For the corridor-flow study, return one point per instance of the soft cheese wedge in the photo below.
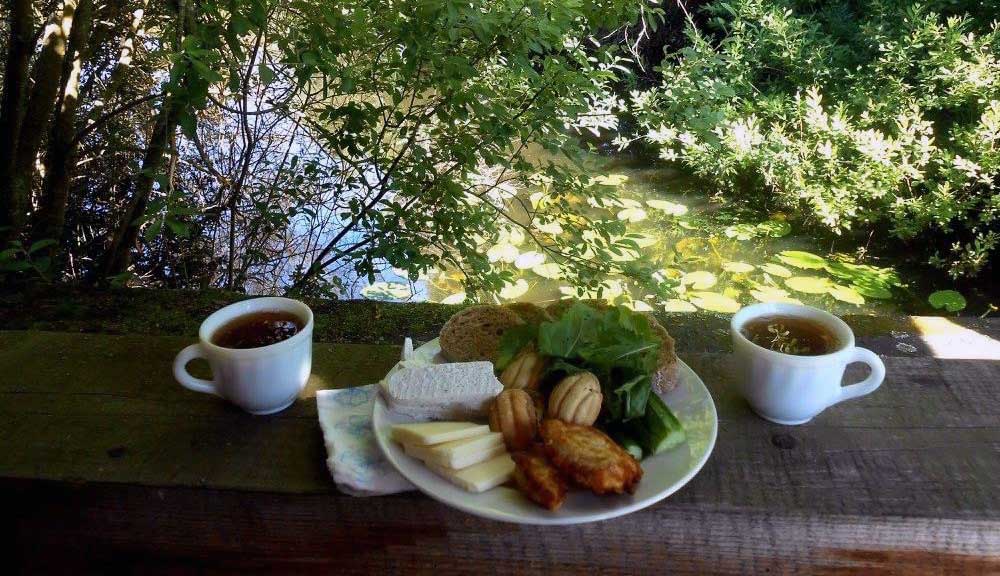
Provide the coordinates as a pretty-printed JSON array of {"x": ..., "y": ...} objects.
[
  {"x": 459, "y": 454},
  {"x": 442, "y": 391},
  {"x": 428, "y": 433},
  {"x": 481, "y": 477}
]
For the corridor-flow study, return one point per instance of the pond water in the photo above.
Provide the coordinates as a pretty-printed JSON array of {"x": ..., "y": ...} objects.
[{"x": 719, "y": 255}]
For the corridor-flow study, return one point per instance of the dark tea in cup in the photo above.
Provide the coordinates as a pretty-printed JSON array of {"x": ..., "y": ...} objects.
[{"x": 257, "y": 330}]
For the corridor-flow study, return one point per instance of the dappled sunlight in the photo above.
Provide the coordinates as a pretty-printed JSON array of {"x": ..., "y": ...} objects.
[
  {"x": 947, "y": 339},
  {"x": 700, "y": 254}
]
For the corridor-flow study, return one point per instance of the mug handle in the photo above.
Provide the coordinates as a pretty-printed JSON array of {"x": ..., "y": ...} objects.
[
  {"x": 869, "y": 384},
  {"x": 187, "y": 380}
]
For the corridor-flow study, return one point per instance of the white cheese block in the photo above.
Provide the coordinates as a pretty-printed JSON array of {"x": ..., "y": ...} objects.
[
  {"x": 481, "y": 477},
  {"x": 456, "y": 391},
  {"x": 427, "y": 433},
  {"x": 459, "y": 454}
]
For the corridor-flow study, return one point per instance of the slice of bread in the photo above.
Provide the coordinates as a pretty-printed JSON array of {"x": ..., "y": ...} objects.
[
  {"x": 474, "y": 333},
  {"x": 665, "y": 377}
]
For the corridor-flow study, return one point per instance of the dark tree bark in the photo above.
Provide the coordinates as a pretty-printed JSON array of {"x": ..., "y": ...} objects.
[
  {"x": 45, "y": 79},
  {"x": 15, "y": 83},
  {"x": 118, "y": 256},
  {"x": 119, "y": 253},
  {"x": 61, "y": 156}
]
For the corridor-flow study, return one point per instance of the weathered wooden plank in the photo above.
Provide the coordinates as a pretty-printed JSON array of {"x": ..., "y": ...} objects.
[
  {"x": 106, "y": 409},
  {"x": 105, "y": 528}
]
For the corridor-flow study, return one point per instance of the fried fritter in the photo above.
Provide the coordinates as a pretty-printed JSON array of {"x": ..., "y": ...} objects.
[
  {"x": 538, "y": 479},
  {"x": 588, "y": 457}
]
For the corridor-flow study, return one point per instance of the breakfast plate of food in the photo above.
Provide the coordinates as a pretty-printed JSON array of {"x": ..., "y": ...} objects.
[{"x": 574, "y": 413}]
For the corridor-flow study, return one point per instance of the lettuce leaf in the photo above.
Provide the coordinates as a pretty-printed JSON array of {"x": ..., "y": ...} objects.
[{"x": 617, "y": 345}]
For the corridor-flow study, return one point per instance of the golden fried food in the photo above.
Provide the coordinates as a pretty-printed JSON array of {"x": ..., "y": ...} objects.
[
  {"x": 588, "y": 457},
  {"x": 538, "y": 479}
]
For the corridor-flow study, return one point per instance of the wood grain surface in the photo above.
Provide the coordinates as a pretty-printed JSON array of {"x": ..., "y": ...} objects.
[{"x": 108, "y": 464}]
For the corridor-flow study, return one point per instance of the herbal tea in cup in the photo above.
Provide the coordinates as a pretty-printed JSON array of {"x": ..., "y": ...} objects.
[{"x": 791, "y": 361}]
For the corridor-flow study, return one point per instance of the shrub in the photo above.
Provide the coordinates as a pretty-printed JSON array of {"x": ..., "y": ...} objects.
[{"x": 882, "y": 115}]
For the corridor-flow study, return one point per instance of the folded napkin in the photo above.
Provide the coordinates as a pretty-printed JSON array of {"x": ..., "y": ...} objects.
[{"x": 355, "y": 461}]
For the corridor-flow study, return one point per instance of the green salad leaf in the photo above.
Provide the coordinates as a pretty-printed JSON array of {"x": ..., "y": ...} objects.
[{"x": 617, "y": 345}]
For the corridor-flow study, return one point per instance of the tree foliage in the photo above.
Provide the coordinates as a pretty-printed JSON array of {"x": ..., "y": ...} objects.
[{"x": 876, "y": 115}]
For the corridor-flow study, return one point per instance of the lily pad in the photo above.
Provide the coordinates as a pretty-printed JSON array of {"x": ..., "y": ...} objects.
[
  {"x": 642, "y": 240},
  {"x": 456, "y": 298},
  {"x": 632, "y": 215},
  {"x": 950, "y": 300},
  {"x": 686, "y": 225},
  {"x": 554, "y": 228},
  {"x": 671, "y": 208},
  {"x": 772, "y": 294},
  {"x": 715, "y": 302},
  {"x": 776, "y": 270},
  {"x": 639, "y": 306},
  {"x": 387, "y": 291},
  {"x": 515, "y": 290},
  {"x": 675, "y": 305},
  {"x": 775, "y": 228},
  {"x": 626, "y": 255},
  {"x": 872, "y": 289},
  {"x": 609, "y": 179},
  {"x": 528, "y": 260},
  {"x": 502, "y": 253},
  {"x": 551, "y": 270},
  {"x": 700, "y": 280},
  {"x": 741, "y": 231},
  {"x": 737, "y": 267},
  {"x": 808, "y": 284},
  {"x": 846, "y": 294},
  {"x": 799, "y": 259}
]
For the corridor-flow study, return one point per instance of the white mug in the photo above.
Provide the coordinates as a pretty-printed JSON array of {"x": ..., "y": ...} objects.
[
  {"x": 261, "y": 380},
  {"x": 789, "y": 389}
]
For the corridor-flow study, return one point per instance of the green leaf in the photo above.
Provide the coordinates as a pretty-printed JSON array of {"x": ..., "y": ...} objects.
[
  {"x": 675, "y": 305},
  {"x": 808, "y": 284},
  {"x": 846, "y": 294},
  {"x": 714, "y": 302},
  {"x": 872, "y": 289},
  {"x": 776, "y": 270},
  {"x": 266, "y": 74},
  {"x": 456, "y": 298},
  {"x": 799, "y": 259},
  {"x": 632, "y": 215},
  {"x": 699, "y": 280},
  {"x": 671, "y": 208},
  {"x": 950, "y": 300},
  {"x": 41, "y": 244},
  {"x": 737, "y": 267},
  {"x": 513, "y": 341}
]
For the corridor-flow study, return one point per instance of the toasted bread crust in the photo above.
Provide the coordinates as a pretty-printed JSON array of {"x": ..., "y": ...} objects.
[{"x": 474, "y": 333}]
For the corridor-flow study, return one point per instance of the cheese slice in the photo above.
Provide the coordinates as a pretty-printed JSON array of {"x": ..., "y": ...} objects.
[
  {"x": 459, "y": 454},
  {"x": 427, "y": 433},
  {"x": 481, "y": 477}
]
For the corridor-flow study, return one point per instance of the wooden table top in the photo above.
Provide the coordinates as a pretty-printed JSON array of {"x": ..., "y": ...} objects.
[{"x": 109, "y": 464}]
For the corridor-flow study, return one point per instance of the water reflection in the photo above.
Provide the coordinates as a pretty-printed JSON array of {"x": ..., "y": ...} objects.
[{"x": 715, "y": 256}]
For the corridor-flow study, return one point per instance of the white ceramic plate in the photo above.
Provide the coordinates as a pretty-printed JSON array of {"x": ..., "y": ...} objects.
[{"x": 663, "y": 474}]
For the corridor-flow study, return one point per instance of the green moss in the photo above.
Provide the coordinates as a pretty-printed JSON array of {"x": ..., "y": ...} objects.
[{"x": 179, "y": 313}]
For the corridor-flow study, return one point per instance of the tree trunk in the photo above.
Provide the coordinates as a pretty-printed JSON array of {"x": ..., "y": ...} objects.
[
  {"x": 45, "y": 77},
  {"x": 118, "y": 257},
  {"x": 62, "y": 144},
  {"x": 119, "y": 254},
  {"x": 15, "y": 82}
]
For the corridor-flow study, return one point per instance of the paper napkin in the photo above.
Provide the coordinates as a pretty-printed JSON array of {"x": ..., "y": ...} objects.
[{"x": 355, "y": 461}]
